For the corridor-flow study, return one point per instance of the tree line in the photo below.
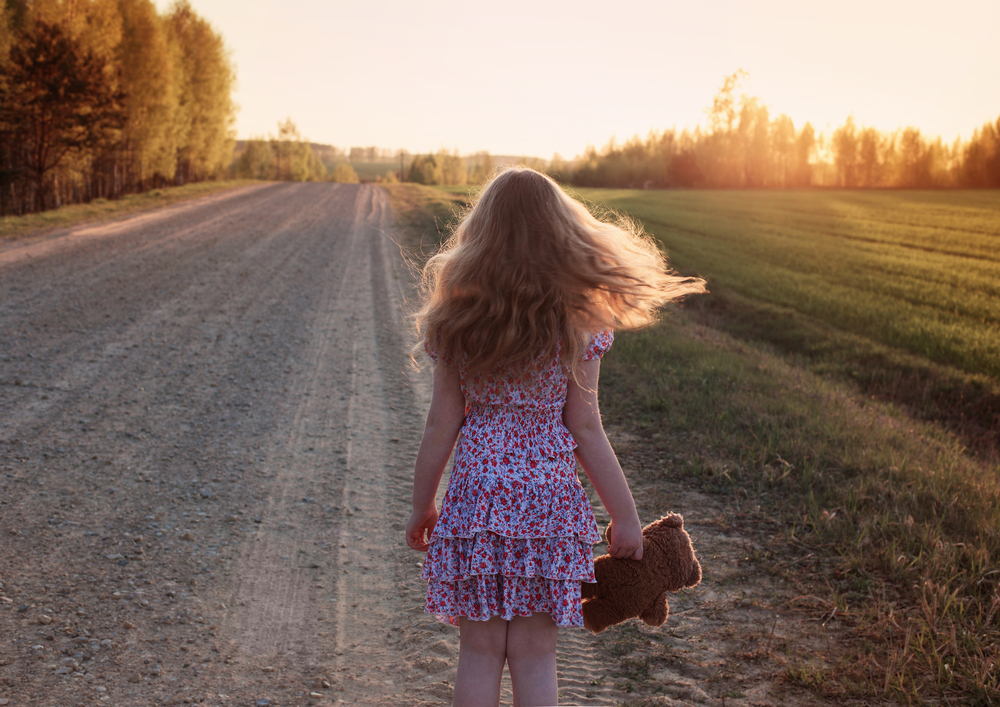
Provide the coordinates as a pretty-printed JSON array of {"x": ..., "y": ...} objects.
[
  {"x": 445, "y": 167},
  {"x": 287, "y": 157},
  {"x": 743, "y": 145},
  {"x": 101, "y": 98}
]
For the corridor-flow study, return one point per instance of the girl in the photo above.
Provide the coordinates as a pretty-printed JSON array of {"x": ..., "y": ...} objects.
[{"x": 522, "y": 301}]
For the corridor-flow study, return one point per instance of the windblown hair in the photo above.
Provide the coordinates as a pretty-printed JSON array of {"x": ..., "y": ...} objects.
[{"x": 529, "y": 273}]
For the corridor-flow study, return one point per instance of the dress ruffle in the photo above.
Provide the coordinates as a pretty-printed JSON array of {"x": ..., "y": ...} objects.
[
  {"x": 482, "y": 597},
  {"x": 516, "y": 498},
  {"x": 453, "y": 559}
]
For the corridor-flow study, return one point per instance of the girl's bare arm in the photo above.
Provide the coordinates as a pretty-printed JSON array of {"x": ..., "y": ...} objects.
[
  {"x": 444, "y": 420},
  {"x": 583, "y": 419}
]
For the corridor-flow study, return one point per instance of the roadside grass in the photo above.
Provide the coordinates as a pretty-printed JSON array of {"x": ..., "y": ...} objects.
[
  {"x": 882, "y": 516},
  {"x": 12, "y": 227},
  {"x": 426, "y": 213},
  {"x": 909, "y": 523}
]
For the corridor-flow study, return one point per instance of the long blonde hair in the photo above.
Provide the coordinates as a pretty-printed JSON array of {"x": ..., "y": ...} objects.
[{"x": 529, "y": 272}]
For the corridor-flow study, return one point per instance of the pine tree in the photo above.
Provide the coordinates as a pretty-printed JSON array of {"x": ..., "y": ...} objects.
[{"x": 57, "y": 97}]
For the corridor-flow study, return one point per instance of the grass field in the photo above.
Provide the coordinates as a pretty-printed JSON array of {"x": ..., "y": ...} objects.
[
  {"x": 898, "y": 292},
  {"x": 840, "y": 387},
  {"x": 370, "y": 171},
  {"x": 918, "y": 271}
]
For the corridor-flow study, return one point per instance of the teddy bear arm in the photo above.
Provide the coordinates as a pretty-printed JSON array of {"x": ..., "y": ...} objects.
[
  {"x": 598, "y": 614},
  {"x": 656, "y": 613},
  {"x": 611, "y": 604}
]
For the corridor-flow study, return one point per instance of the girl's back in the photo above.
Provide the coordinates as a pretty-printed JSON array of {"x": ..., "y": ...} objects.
[{"x": 523, "y": 412}]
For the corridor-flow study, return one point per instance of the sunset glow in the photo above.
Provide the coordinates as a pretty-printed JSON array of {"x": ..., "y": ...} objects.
[{"x": 541, "y": 77}]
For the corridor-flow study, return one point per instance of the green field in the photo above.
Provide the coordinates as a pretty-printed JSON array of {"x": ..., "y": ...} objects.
[
  {"x": 370, "y": 171},
  {"x": 916, "y": 271}
]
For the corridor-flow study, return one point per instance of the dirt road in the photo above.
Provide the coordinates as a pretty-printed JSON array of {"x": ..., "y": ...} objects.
[{"x": 207, "y": 426}]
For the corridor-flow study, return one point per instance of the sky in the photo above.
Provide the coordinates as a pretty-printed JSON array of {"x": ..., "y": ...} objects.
[{"x": 537, "y": 77}]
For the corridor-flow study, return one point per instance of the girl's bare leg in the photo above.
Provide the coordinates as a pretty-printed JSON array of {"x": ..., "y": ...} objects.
[
  {"x": 531, "y": 659},
  {"x": 481, "y": 656}
]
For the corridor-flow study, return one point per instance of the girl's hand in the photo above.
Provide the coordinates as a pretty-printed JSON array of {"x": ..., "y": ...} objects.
[
  {"x": 419, "y": 528},
  {"x": 625, "y": 542}
]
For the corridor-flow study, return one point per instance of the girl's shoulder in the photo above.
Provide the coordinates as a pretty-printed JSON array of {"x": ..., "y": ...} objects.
[
  {"x": 432, "y": 345},
  {"x": 600, "y": 342}
]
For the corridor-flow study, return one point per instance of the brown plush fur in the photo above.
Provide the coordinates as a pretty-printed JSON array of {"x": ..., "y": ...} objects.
[{"x": 638, "y": 588}]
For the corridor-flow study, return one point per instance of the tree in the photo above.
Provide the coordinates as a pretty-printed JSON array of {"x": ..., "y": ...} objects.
[
  {"x": 452, "y": 168},
  {"x": 7, "y": 28},
  {"x": 56, "y": 98},
  {"x": 282, "y": 146},
  {"x": 481, "y": 168},
  {"x": 13, "y": 17},
  {"x": 724, "y": 111},
  {"x": 425, "y": 169},
  {"x": 663, "y": 149},
  {"x": 981, "y": 158},
  {"x": 754, "y": 134},
  {"x": 719, "y": 149},
  {"x": 363, "y": 154},
  {"x": 684, "y": 170},
  {"x": 206, "y": 112},
  {"x": 345, "y": 174},
  {"x": 294, "y": 158},
  {"x": 783, "y": 150},
  {"x": 805, "y": 146},
  {"x": 870, "y": 148},
  {"x": 151, "y": 80},
  {"x": 845, "y": 151},
  {"x": 914, "y": 159},
  {"x": 170, "y": 77},
  {"x": 256, "y": 160},
  {"x": 305, "y": 165},
  {"x": 558, "y": 169}
]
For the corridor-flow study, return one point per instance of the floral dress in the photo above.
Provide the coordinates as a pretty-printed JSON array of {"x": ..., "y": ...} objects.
[{"x": 516, "y": 528}]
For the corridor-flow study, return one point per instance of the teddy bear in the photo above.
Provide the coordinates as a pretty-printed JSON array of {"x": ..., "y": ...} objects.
[{"x": 630, "y": 588}]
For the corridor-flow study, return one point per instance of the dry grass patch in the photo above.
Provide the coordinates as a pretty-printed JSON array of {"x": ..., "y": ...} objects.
[
  {"x": 883, "y": 519},
  {"x": 100, "y": 210}
]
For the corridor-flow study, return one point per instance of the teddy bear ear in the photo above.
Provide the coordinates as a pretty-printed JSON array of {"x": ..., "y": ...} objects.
[{"x": 674, "y": 520}]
